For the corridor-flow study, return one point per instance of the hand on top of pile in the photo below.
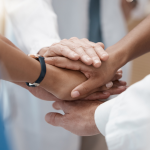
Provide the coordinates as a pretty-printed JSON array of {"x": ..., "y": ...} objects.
[{"x": 75, "y": 49}]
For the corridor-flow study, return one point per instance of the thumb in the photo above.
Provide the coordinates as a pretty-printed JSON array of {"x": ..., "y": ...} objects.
[
  {"x": 54, "y": 119},
  {"x": 84, "y": 89}
]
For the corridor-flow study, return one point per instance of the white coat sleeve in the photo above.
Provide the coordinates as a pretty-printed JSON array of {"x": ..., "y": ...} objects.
[
  {"x": 34, "y": 23},
  {"x": 128, "y": 124}
]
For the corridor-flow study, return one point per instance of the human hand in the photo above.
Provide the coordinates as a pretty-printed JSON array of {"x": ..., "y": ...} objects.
[
  {"x": 39, "y": 92},
  {"x": 75, "y": 49},
  {"x": 60, "y": 82},
  {"x": 78, "y": 117},
  {"x": 87, "y": 70}
]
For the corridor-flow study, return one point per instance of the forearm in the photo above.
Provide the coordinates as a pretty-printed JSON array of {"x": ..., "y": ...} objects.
[
  {"x": 133, "y": 45},
  {"x": 16, "y": 66},
  {"x": 4, "y": 39}
]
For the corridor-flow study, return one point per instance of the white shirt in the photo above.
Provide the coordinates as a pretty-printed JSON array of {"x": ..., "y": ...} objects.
[
  {"x": 35, "y": 27},
  {"x": 34, "y": 23},
  {"x": 125, "y": 120}
]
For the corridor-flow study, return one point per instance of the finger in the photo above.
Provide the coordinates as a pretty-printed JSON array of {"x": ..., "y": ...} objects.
[
  {"x": 84, "y": 88},
  {"x": 101, "y": 52},
  {"x": 63, "y": 62},
  {"x": 56, "y": 106},
  {"x": 62, "y": 105},
  {"x": 120, "y": 71},
  {"x": 77, "y": 48},
  {"x": 91, "y": 52},
  {"x": 93, "y": 44},
  {"x": 60, "y": 50},
  {"x": 117, "y": 90},
  {"x": 117, "y": 76},
  {"x": 54, "y": 119},
  {"x": 98, "y": 96},
  {"x": 106, "y": 94},
  {"x": 105, "y": 87},
  {"x": 119, "y": 83}
]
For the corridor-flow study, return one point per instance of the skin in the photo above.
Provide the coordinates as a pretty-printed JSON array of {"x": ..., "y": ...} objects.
[
  {"x": 127, "y": 7},
  {"x": 79, "y": 116},
  {"x": 135, "y": 44},
  {"x": 88, "y": 52},
  {"x": 19, "y": 72}
]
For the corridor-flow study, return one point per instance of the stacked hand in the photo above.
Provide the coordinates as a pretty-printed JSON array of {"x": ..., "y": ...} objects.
[
  {"x": 78, "y": 117},
  {"x": 80, "y": 75},
  {"x": 78, "y": 51}
]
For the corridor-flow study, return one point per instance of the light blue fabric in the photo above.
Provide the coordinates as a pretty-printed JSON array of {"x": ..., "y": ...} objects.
[
  {"x": 3, "y": 141},
  {"x": 95, "y": 33}
]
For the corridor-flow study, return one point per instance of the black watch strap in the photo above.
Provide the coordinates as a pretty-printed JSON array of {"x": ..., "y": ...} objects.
[{"x": 42, "y": 74}]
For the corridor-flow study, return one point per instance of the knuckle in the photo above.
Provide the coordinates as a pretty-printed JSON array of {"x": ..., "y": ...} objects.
[
  {"x": 54, "y": 44},
  {"x": 52, "y": 119},
  {"x": 53, "y": 60},
  {"x": 65, "y": 121},
  {"x": 63, "y": 49},
  {"x": 84, "y": 39},
  {"x": 63, "y": 41},
  {"x": 73, "y": 38},
  {"x": 101, "y": 44},
  {"x": 76, "y": 46},
  {"x": 87, "y": 46},
  {"x": 97, "y": 45}
]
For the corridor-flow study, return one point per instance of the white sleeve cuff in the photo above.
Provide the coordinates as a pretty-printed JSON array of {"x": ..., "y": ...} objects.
[
  {"x": 102, "y": 115},
  {"x": 39, "y": 45}
]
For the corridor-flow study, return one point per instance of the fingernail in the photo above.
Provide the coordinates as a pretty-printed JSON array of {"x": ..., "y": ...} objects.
[
  {"x": 104, "y": 55},
  {"x": 105, "y": 93},
  {"x": 75, "y": 55},
  {"x": 88, "y": 59},
  {"x": 75, "y": 94},
  {"x": 120, "y": 74},
  {"x": 121, "y": 87},
  {"x": 119, "y": 70},
  {"x": 97, "y": 63},
  {"x": 109, "y": 85}
]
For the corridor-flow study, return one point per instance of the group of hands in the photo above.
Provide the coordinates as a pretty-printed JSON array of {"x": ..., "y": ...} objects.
[{"x": 85, "y": 77}]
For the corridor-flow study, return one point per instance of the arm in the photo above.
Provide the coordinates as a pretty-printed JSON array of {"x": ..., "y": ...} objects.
[
  {"x": 135, "y": 44},
  {"x": 65, "y": 93},
  {"x": 37, "y": 31},
  {"x": 17, "y": 67}
]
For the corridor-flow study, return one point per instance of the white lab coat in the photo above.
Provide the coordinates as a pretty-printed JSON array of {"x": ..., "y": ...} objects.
[
  {"x": 125, "y": 120},
  {"x": 35, "y": 26}
]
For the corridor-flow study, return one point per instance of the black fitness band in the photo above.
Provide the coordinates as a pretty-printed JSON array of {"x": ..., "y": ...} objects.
[{"x": 42, "y": 74}]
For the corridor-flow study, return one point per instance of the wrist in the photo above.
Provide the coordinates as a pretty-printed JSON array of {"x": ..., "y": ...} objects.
[
  {"x": 49, "y": 80},
  {"x": 118, "y": 56}
]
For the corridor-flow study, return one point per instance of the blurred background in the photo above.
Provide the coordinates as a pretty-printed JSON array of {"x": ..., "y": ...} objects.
[{"x": 23, "y": 113}]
